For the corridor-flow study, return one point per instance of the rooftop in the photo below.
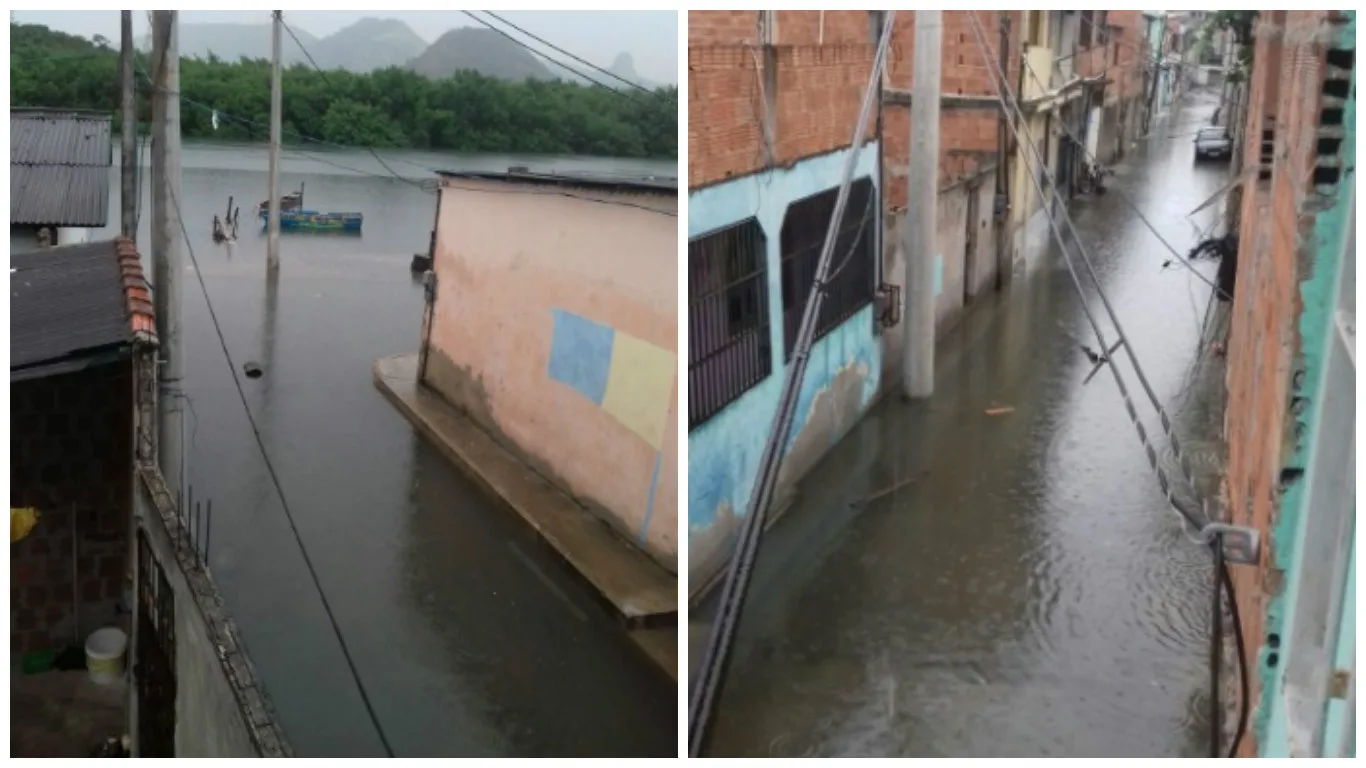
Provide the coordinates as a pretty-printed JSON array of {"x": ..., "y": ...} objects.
[
  {"x": 59, "y": 163},
  {"x": 76, "y": 305},
  {"x": 667, "y": 185}
]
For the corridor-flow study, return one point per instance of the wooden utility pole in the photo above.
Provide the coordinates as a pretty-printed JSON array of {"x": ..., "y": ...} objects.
[
  {"x": 167, "y": 257},
  {"x": 922, "y": 202},
  {"x": 273, "y": 227},
  {"x": 128, "y": 156}
]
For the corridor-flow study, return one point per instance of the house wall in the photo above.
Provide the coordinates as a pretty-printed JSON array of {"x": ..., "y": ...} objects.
[
  {"x": 1290, "y": 236},
  {"x": 71, "y": 442},
  {"x": 221, "y": 706},
  {"x": 556, "y": 329},
  {"x": 842, "y": 375}
]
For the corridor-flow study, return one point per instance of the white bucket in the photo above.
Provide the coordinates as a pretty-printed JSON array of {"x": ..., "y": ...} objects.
[{"x": 104, "y": 651}]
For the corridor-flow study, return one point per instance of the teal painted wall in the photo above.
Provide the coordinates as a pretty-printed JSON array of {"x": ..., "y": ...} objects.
[
  {"x": 1318, "y": 293},
  {"x": 724, "y": 451}
]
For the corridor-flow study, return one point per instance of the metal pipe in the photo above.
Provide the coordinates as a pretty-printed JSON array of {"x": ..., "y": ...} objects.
[{"x": 712, "y": 675}]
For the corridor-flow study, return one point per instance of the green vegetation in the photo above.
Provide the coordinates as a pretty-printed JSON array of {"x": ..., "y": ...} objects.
[{"x": 387, "y": 108}]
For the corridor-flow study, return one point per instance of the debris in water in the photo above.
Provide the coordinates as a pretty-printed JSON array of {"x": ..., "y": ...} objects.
[
  {"x": 999, "y": 411},
  {"x": 252, "y": 369}
]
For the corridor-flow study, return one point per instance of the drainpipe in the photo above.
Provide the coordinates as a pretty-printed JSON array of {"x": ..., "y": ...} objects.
[{"x": 429, "y": 294}]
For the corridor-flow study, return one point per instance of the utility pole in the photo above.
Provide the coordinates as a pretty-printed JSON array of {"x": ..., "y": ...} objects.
[
  {"x": 922, "y": 202},
  {"x": 167, "y": 258},
  {"x": 1005, "y": 267},
  {"x": 128, "y": 172},
  {"x": 1156, "y": 63},
  {"x": 273, "y": 231}
]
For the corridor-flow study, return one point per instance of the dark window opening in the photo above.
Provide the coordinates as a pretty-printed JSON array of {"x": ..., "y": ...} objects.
[
  {"x": 1086, "y": 22},
  {"x": 729, "y": 349},
  {"x": 850, "y": 284},
  {"x": 1343, "y": 58}
]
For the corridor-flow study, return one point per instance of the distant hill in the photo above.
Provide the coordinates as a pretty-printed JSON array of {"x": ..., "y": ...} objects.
[
  {"x": 483, "y": 51},
  {"x": 625, "y": 68},
  {"x": 232, "y": 41},
  {"x": 369, "y": 44}
]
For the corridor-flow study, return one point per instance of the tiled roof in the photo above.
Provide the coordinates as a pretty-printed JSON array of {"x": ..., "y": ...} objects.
[
  {"x": 59, "y": 167},
  {"x": 74, "y": 301}
]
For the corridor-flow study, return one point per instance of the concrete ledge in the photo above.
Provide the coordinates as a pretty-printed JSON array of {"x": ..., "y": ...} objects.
[{"x": 643, "y": 593}]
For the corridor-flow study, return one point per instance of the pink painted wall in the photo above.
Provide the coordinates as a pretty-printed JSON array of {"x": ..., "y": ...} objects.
[{"x": 509, "y": 255}]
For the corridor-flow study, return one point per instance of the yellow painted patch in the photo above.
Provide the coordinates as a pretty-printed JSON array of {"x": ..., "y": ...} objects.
[{"x": 638, "y": 385}]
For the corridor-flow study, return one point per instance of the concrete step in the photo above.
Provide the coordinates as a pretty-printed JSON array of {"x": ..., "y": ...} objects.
[{"x": 642, "y": 592}]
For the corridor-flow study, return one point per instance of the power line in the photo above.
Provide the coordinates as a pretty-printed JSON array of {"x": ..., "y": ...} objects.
[
  {"x": 327, "y": 82},
  {"x": 554, "y": 47},
  {"x": 1079, "y": 144},
  {"x": 560, "y": 64},
  {"x": 1004, "y": 92},
  {"x": 712, "y": 673},
  {"x": 279, "y": 489},
  {"x": 1015, "y": 115}
]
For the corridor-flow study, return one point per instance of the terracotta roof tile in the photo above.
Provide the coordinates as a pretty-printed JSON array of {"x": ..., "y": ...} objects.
[{"x": 141, "y": 318}]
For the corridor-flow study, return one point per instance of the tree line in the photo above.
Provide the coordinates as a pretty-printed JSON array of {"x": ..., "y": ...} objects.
[{"x": 387, "y": 108}]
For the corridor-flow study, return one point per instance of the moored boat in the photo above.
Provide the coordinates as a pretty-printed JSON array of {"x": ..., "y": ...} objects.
[{"x": 316, "y": 220}]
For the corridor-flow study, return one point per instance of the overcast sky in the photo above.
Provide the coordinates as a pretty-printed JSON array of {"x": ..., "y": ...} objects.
[{"x": 651, "y": 37}]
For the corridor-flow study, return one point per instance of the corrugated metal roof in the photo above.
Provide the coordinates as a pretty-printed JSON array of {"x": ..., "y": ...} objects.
[
  {"x": 59, "y": 167},
  {"x": 70, "y": 301},
  {"x": 58, "y": 195}
]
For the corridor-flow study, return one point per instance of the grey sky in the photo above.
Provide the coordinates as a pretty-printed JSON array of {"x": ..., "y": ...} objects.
[{"x": 651, "y": 37}]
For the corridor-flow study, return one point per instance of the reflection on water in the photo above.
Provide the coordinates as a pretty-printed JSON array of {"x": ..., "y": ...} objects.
[
  {"x": 470, "y": 638},
  {"x": 1028, "y": 593}
]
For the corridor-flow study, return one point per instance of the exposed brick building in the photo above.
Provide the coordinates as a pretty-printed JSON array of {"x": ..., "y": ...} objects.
[
  {"x": 1290, "y": 411},
  {"x": 773, "y": 102}
]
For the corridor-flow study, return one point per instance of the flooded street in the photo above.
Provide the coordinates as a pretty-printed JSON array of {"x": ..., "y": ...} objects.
[
  {"x": 470, "y": 637},
  {"x": 1024, "y": 591}
]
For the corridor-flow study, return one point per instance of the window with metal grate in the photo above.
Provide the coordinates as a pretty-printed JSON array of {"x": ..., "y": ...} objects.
[
  {"x": 851, "y": 284},
  {"x": 729, "y": 349}
]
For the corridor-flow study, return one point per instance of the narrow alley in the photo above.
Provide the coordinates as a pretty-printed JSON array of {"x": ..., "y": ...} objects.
[{"x": 994, "y": 571}]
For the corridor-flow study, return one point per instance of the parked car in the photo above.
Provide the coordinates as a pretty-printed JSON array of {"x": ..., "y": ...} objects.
[{"x": 1213, "y": 143}]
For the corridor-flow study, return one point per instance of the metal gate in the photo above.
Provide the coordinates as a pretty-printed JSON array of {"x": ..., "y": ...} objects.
[{"x": 154, "y": 663}]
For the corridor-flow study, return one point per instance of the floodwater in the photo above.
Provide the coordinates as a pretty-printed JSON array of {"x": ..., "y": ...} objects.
[
  {"x": 1025, "y": 591},
  {"x": 470, "y": 637}
]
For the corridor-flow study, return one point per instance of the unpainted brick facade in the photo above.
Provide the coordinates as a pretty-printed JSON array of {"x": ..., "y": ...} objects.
[
  {"x": 1265, "y": 356},
  {"x": 71, "y": 454}
]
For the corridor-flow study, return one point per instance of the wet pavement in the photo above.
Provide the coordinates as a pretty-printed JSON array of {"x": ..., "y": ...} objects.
[
  {"x": 1024, "y": 591},
  {"x": 471, "y": 637}
]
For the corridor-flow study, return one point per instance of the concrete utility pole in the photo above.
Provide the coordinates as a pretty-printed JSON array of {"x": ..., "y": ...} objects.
[
  {"x": 1157, "y": 74},
  {"x": 273, "y": 231},
  {"x": 167, "y": 257},
  {"x": 922, "y": 203},
  {"x": 128, "y": 172}
]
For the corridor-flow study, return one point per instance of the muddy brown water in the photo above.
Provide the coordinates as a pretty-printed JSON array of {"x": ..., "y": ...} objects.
[{"x": 1029, "y": 593}]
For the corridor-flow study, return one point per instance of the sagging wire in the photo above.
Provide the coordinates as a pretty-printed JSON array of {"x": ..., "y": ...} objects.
[
  {"x": 712, "y": 672},
  {"x": 279, "y": 488},
  {"x": 1015, "y": 117},
  {"x": 1095, "y": 163}
]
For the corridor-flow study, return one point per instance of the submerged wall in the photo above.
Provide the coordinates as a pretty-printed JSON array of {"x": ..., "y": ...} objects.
[
  {"x": 556, "y": 329},
  {"x": 841, "y": 379}
]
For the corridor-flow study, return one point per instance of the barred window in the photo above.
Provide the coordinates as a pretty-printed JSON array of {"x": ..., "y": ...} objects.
[
  {"x": 852, "y": 266},
  {"x": 729, "y": 351}
]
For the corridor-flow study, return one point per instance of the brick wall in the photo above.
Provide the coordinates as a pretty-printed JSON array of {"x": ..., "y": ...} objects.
[
  {"x": 816, "y": 88},
  {"x": 1265, "y": 360},
  {"x": 70, "y": 453}
]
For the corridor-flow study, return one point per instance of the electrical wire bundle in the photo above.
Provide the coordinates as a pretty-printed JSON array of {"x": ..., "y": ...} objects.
[{"x": 1208, "y": 527}]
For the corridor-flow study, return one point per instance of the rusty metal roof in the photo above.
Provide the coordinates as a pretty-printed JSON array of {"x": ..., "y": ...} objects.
[
  {"x": 74, "y": 303},
  {"x": 59, "y": 167}
]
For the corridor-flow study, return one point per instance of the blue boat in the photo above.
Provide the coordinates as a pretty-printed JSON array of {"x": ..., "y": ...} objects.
[{"x": 299, "y": 219}]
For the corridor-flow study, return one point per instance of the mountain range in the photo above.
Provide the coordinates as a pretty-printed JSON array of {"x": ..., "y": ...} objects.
[{"x": 372, "y": 43}]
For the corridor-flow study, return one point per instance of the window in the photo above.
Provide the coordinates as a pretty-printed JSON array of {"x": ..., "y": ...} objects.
[
  {"x": 1084, "y": 26},
  {"x": 729, "y": 350},
  {"x": 852, "y": 265}
]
